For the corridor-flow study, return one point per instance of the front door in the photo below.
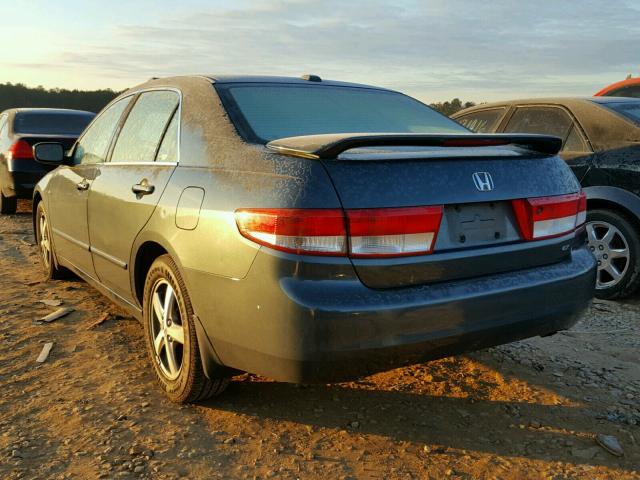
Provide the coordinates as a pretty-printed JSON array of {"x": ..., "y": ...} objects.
[
  {"x": 69, "y": 188},
  {"x": 128, "y": 187}
]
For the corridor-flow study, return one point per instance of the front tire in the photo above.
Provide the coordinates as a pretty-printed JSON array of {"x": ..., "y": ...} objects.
[
  {"x": 43, "y": 239},
  {"x": 171, "y": 338},
  {"x": 8, "y": 205},
  {"x": 615, "y": 241}
]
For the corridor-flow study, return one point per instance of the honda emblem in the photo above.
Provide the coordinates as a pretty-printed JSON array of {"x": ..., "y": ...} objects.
[{"x": 483, "y": 181}]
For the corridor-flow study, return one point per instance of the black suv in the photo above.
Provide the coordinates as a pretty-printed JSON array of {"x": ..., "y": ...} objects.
[{"x": 601, "y": 143}]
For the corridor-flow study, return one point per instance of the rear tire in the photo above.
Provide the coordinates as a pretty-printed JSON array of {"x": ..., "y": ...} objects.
[
  {"x": 8, "y": 205},
  {"x": 171, "y": 338},
  {"x": 615, "y": 241},
  {"x": 43, "y": 240}
]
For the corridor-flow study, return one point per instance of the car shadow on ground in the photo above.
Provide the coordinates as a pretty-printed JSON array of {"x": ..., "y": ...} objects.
[{"x": 445, "y": 424}]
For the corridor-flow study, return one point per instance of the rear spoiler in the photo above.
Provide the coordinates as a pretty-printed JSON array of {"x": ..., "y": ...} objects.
[{"x": 331, "y": 145}]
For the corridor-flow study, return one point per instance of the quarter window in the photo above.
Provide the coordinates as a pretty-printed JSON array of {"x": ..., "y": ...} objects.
[
  {"x": 482, "y": 122},
  {"x": 575, "y": 143},
  {"x": 543, "y": 120},
  {"x": 140, "y": 136},
  {"x": 92, "y": 147},
  {"x": 168, "y": 151}
]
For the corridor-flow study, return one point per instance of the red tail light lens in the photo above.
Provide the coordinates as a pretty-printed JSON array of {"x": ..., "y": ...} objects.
[
  {"x": 316, "y": 232},
  {"x": 392, "y": 232},
  {"x": 22, "y": 150},
  {"x": 380, "y": 232},
  {"x": 546, "y": 217}
]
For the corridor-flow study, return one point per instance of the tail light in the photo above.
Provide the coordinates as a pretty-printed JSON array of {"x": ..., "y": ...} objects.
[
  {"x": 546, "y": 217},
  {"x": 317, "y": 232},
  {"x": 373, "y": 233},
  {"x": 21, "y": 150},
  {"x": 393, "y": 232}
]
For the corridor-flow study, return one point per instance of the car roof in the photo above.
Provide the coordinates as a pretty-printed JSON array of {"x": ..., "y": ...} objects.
[
  {"x": 528, "y": 101},
  {"x": 615, "y": 86},
  {"x": 602, "y": 125},
  {"x": 284, "y": 80},
  {"x": 605, "y": 100},
  {"x": 566, "y": 101}
]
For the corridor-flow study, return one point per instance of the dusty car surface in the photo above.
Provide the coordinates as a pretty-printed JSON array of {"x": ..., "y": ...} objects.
[
  {"x": 311, "y": 230},
  {"x": 601, "y": 143},
  {"x": 20, "y": 129}
]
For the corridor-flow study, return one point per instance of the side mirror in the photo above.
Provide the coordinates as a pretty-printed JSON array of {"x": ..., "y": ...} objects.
[{"x": 49, "y": 153}]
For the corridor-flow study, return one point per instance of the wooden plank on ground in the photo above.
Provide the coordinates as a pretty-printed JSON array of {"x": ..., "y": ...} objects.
[{"x": 45, "y": 352}]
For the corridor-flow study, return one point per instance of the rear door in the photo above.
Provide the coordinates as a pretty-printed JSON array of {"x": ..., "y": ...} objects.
[
  {"x": 68, "y": 189},
  {"x": 127, "y": 187}
]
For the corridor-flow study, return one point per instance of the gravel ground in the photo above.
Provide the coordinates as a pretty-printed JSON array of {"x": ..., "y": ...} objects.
[{"x": 531, "y": 409}]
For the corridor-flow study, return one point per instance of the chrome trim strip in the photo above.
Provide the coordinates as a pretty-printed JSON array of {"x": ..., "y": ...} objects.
[
  {"x": 110, "y": 258},
  {"x": 150, "y": 164},
  {"x": 69, "y": 238}
]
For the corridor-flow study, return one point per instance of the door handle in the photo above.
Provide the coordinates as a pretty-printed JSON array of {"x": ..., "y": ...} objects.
[
  {"x": 83, "y": 185},
  {"x": 142, "y": 188}
]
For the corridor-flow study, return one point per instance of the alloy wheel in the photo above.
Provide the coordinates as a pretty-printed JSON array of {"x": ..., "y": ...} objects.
[
  {"x": 611, "y": 250},
  {"x": 167, "y": 329}
]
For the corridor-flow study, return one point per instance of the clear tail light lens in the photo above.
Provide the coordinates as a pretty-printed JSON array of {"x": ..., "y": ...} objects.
[
  {"x": 546, "y": 217},
  {"x": 21, "y": 150},
  {"x": 392, "y": 232},
  {"x": 582, "y": 209},
  {"x": 294, "y": 230}
]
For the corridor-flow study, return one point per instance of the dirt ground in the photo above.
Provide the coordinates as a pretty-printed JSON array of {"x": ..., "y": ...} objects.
[{"x": 526, "y": 410}]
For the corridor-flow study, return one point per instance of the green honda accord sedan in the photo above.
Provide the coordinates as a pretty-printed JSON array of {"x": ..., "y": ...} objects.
[{"x": 310, "y": 230}]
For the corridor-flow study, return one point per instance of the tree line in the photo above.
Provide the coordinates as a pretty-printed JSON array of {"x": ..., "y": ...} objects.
[
  {"x": 449, "y": 108},
  {"x": 19, "y": 95}
]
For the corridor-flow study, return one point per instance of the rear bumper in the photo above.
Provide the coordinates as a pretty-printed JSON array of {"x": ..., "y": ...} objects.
[
  {"x": 20, "y": 183},
  {"x": 283, "y": 324},
  {"x": 25, "y": 182}
]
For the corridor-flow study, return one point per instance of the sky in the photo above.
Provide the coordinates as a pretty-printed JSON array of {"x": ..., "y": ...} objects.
[{"x": 434, "y": 50}]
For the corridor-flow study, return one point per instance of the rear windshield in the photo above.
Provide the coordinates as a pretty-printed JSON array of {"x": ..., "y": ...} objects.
[
  {"x": 630, "y": 110},
  {"x": 267, "y": 112},
  {"x": 51, "y": 123}
]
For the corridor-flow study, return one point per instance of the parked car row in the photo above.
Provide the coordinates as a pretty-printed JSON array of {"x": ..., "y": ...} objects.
[
  {"x": 311, "y": 230},
  {"x": 601, "y": 143}
]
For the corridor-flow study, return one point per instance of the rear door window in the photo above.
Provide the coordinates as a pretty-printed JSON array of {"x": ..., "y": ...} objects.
[
  {"x": 542, "y": 120},
  {"x": 147, "y": 121},
  {"x": 484, "y": 121},
  {"x": 93, "y": 145}
]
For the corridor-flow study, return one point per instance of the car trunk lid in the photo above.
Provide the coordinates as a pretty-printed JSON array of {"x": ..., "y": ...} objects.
[{"x": 474, "y": 178}]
